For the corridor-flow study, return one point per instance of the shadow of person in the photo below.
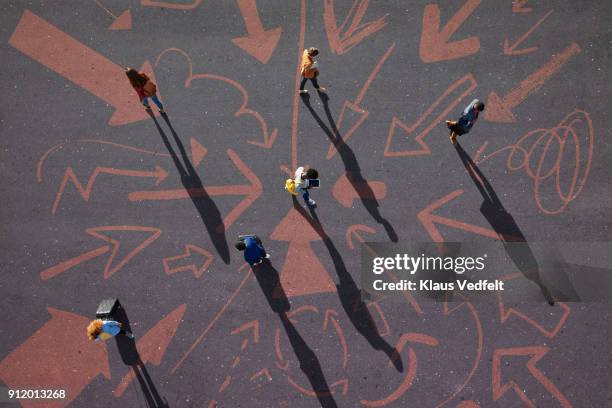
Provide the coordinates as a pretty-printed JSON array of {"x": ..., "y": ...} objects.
[
  {"x": 269, "y": 281},
  {"x": 309, "y": 364},
  {"x": 350, "y": 295},
  {"x": 131, "y": 358},
  {"x": 206, "y": 207},
  {"x": 505, "y": 226},
  {"x": 351, "y": 165}
]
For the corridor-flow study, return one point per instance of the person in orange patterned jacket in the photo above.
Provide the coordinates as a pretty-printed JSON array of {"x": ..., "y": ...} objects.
[{"x": 310, "y": 70}]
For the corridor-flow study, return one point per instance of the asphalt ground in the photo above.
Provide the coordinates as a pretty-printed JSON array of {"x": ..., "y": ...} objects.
[{"x": 101, "y": 200}]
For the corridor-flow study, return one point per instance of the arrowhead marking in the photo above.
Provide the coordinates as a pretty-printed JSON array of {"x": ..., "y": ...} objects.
[
  {"x": 123, "y": 22},
  {"x": 497, "y": 111},
  {"x": 260, "y": 45}
]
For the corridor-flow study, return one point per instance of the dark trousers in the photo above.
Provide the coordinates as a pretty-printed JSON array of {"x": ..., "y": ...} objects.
[{"x": 313, "y": 80}]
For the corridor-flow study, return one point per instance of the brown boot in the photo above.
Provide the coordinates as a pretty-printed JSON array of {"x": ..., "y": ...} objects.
[{"x": 453, "y": 138}]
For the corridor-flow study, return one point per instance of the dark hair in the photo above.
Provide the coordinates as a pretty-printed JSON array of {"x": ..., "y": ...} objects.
[
  {"x": 312, "y": 51},
  {"x": 311, "y": 174},
  {"x": 135, "y": 77},
  {"x": 241, "y": 246},
  {"x": 479, "y": 106}
]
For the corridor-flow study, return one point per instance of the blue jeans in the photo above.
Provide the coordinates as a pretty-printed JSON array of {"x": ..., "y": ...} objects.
[
  {"x": 145, "y": 102},
  {"x": 305, "y": 195}
]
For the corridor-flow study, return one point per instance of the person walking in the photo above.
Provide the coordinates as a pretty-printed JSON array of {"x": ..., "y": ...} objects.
[
  {"x": 145, "y": 88},
  {"x": 106, "y": 329},
  {"x": 464, "y": 124},
  {"x": 302, "y": 182},
  {"x": 310, "y": 70},
  {"x": 254, "y": 252}
]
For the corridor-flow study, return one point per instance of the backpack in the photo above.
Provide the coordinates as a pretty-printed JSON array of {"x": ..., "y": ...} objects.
[{"x": 290, "y": 186}]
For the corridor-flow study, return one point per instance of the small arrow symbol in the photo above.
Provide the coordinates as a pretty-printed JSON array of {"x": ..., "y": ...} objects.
[
  {"x": 354, "y": 230},
  {"x": 435, "y": 45},
  {"x": 356, "y": 32},
  {"x": 101, "y": 233},
  {"x": 189, "y": 261},
  {"x": 259, "y": 43},
  {"x": 500, "y": 109},
  {"x": 535, "y": 353},
  {"x": 511, "y": 50}
]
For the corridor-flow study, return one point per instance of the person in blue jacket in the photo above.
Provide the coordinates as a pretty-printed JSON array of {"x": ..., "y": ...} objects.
[
  {"x": 466, "y": 121},
  {"x": 106, "y": 329},
  {"x": 254, "y": 252}
]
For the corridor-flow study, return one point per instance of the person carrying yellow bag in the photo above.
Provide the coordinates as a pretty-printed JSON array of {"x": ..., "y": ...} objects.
[{"x": 302, "y": 183}]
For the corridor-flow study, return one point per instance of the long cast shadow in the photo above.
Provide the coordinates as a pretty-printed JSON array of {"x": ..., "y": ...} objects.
[
  {"x": 269, "y": 281},
  {"x": 131, "y": 358},
  {"x": 351, "y": 165},
  {"x": 350, "y": 295},
  {"x": 209, "y": 213},
  {"x": 505, "y": 226}
]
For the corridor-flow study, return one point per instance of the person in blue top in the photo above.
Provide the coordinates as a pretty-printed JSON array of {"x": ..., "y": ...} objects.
[
  {"x": 254, "y": 252},
  {"x": 106, "y": 329},
  {"x": 466, "y": 121}
]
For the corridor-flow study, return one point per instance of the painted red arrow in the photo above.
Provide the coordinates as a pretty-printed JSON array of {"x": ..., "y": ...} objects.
[
  {"x": 300, "y": 257},
  {"x": 195, "y": 259},
  {"x": 73, "y": 60},
  {"x": 535, "y": 353},
  {"x": 159, "y": 174},
  {"x": 423, "y": 148},
  {"x": 500, "y": 109},
  {"x": 429, "y": 220},
  {"x": 355, "y": 109},
  {"x": 356, "y": 31},
  {"x": 153, "y": 344},
  {"x": 58, "y": 356},
  {"x": 252, "y": 191},
  {"x": 253, "y": 326},
  {"x": 259, "y": 43},
  {"x": 435, "y": 45},
  {"x": 412, "y": 368},
  {"x": 518, "y": 6},
  {"x": 101, "y": 233},
  {"x": 511, "y": 50}
]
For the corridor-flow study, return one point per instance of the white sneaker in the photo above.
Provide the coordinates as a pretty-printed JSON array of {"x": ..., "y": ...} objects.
[
  {"x": 303, "y": 91},
  {"x": 321, "y": 89},
  {"x": 311, "y": 202},
  {"x": 267, "y": 256}
]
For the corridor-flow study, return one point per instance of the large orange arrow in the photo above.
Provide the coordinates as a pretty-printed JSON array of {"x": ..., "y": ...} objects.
[
  {"x": 536, "y": 353},
  {"x": 429, "y": 220},
  {"x": 159, "y": 174},
  {"x": 259, "y": 43},
  {"x": 100, "y": 232},
  {"x": 511, "y": 50},
  {"x": 356, "y": 32},
  {"x": 188, "y": 261},
  {"x": 354, "y": 107},
  {"x": 73, "y": 60},
  {"x": 435, "y": 45},
  {"x": 423, "y": 148},
  {"x": 58, "y": 356},
  {"x": 500, "y": 109},
  {"x": 300, "y": 257},
  {"x": 252, "y": 191}
]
